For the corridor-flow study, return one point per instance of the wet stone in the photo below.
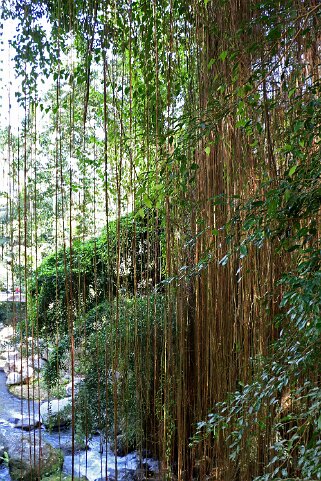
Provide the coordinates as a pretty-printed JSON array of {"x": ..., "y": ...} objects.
[
  {"x": 28, "y": 459},
  {"x": 13, "y": 378},
  {"x": 25, "y": 423}
]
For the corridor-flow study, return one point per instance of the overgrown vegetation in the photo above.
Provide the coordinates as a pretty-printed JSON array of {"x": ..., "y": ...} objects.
[
  {"x": 73, "y": 280},
  {"x": 183, "y": 282}
]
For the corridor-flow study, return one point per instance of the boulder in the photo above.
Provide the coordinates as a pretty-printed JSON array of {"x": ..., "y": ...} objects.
[
  {"x": 36, "y": 362},
  {"x": 77, "y": 382},
  {"x": 56, "y": 413},
  {"x": 24, "y": 370},
  {"x": 2, "y": 364},
  {"x": 13, "y": 378},
  {"x": 27, "y": 373},
  {"x": 35, "y": 341},
  {"x": 3, "y": 446},
  {"x": 10, "y": 353},
  {"x": 6, "y": 333},
  {"x": 46, "y": 352},
  {"x": 13, "y": 355},
  {"x": 13, "y": 364},
  {"x": 31, "y": 459},
  {"x": 26, "y": 423},
  {"x": 10, "y": 367},
  {"x": 7, "y": 347},
  {"x": 20, "y": 366},
  {"x": 142, "y": 473},
  {"x": 129, "y": 475}
]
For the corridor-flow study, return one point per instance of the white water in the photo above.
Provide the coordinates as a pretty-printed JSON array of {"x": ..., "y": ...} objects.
[{"x": 90, "y": 463}]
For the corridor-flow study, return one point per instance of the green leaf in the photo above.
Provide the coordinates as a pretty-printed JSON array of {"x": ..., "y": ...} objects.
[
  {"x": 240, "y": 123},
  {"x": 210, "y": 64},
  {"x": 287, "y": 195},
  {"x": 272, "y": 207},
  {"x": 243, "y": 251},
  {"x": 249, "y": 223},
  {"x": 287, "y": 148},
  {"x": 207, "y": 150},
  {"x": 223, "y": 55},
  {"x": 147, "y": 201},
  {"x": 291, "y": 92},
  {"x": 292, "y": 170},
  {"x": 141, "y": 213},
  {"x": 298, "y": 126}
]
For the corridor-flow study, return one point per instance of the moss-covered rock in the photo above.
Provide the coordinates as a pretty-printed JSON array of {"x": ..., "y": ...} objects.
[
  {"x": 3, "y": 447},
  {"x": 31, "y": 391},
  {"x": 32, "y": 459},
  {"x": 56, "y": 413}
]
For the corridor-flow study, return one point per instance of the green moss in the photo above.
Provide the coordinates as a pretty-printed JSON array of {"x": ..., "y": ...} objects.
[{"x": 24, "y": 461}]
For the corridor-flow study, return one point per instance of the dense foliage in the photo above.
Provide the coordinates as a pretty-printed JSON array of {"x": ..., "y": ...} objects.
[
  {"x": 73, "y": 280},
  {"x": 117, "y": 394},
  {"x": 183, "y": 223}
]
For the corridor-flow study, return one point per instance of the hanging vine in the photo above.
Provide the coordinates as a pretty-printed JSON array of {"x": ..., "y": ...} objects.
[{"x": 165, "y": 191}]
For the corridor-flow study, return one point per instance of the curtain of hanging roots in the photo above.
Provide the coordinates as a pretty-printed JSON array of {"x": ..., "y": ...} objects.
[
  {"x": 162, "y": 347},
  {"x": 225, "y": 308}
]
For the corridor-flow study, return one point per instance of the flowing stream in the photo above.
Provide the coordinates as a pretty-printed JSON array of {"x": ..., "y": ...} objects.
[{"x": 90, "y": 463}]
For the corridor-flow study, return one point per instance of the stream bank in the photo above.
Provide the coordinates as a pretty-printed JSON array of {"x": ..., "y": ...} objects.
[{"x": 21, "y": 424}]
